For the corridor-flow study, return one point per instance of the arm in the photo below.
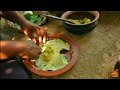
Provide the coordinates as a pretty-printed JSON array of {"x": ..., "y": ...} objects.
[
  {"x": 35, "y": 32},
  {"x": 25, "y": 49},
  {"x": 14, "y": 16}
]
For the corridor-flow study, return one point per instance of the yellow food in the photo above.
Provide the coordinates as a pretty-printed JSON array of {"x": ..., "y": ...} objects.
[
  {"x": 51, "y": 58},
  {"x": 80, "y": 21}
]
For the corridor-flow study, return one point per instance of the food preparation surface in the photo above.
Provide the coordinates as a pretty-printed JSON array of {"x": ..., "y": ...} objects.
[{"x": 98, "y": 50}]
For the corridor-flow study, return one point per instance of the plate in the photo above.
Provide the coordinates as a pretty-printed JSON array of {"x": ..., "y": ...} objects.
[{"x": 72, "y": 56}]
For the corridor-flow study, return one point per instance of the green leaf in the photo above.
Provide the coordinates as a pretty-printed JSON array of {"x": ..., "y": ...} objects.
[
  {"x": 33, "y": 18},
  {"x": 27, "y": 16},
  {"x": 38, "y": 20}
]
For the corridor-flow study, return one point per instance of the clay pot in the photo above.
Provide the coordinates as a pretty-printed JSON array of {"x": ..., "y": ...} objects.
[
  {"x": 72, "y": 56},
  {"x": 82, "y": 28}
]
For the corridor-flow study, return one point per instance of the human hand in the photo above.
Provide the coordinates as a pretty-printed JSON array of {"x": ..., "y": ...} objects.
[
  {"x": 35, "y": 32},
  {"x": 24, "y": 49},
  {"x": 29, "y": 50}
]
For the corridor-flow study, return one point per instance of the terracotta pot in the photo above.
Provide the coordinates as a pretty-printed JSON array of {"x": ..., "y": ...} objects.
[
  {"x": 72, "y": 56},
  {"x": 82, "y": 28}
]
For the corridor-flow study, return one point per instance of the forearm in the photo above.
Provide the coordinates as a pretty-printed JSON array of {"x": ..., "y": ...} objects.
[
  {"x": 14, "y": 16},
  {"x": 9, "y": 48}
]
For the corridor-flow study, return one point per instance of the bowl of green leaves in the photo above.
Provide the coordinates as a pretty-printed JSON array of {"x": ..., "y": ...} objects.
[{"x": 35, "y": 18}]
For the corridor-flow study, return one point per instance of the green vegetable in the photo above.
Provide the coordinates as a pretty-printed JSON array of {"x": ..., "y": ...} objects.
[
  {"x": 78, "y": 22},
  {"x": 30, "y": 17},
  {"x": 27, "y": 16},
  {"x": 86, "y": 20},
  {"x": 33, "y": 18},
  {"x": 39, "y": 19}
]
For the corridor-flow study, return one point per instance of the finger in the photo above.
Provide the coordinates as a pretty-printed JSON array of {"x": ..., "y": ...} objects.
[
  {"x": 29, "y": 35},
  {"x": 45, "y": 37},
  {"x": 42, "y": 35},
  {"x": 25, "y": 57},
  {"x": 38, "y": 31},
  {"x": 39, "y": 36},
  {"x": 30, "y": 56},
  {"x": 35, "y": 40},
  {"x": 42, "y": 31},
  {"x": 40, "y": 39}
]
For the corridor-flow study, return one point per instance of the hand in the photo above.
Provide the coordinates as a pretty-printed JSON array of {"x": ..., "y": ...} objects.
[
  {"x": 29, "y": 50},
  {"x": 35, "y": 32},
  {"x": 25, "y": 49},
  {"x": 28, "y": 28}
]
